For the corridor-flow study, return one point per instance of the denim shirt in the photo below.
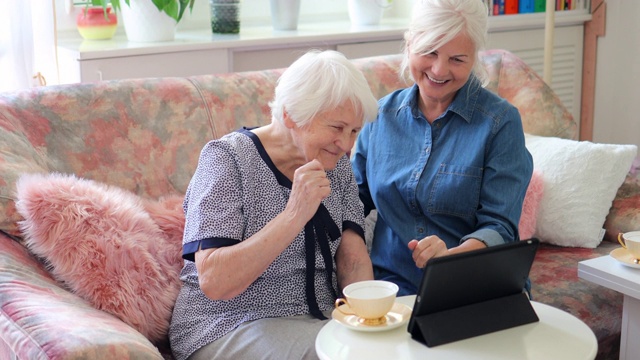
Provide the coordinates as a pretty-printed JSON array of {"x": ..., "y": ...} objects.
[{"x": 463, "y": 176}]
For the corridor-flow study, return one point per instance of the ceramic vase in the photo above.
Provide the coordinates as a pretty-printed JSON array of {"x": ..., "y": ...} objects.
[
  {"x": 285, "y": 14},
  {"x": 366, "y": 12},
  {"x": 93, "y": 24},
  {"x": 143, "y": 22}
]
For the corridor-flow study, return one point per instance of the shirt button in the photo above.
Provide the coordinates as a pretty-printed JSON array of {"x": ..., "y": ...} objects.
[{"x": 420, "y": 230}]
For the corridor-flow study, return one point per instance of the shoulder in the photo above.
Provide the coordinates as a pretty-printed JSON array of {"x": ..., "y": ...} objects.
[
  {"x": 490, "y": 108},
  {"x": 395, "y": 99},
  {"x": 398, "y": 103},
  {"x": 490, "y": 103},
  {"x": 235, "y": 145}
]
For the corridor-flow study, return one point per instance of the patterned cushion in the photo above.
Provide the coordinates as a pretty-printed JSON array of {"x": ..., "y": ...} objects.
[
  {"x": 625, "y": 211},
  {"x": 541, "y": 109}
]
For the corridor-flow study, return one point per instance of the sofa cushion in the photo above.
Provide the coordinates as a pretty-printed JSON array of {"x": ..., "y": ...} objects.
[
  {"x": 107, "y": 245},
  {"x": 541, "y": 110},
  {"x": 624, "y": 215},
  {"x": 581, "y": 179},
  {"x": 530, "y": 206}
]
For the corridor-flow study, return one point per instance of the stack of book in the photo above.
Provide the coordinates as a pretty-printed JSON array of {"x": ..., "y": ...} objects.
[{"x": 508, "y": 7}]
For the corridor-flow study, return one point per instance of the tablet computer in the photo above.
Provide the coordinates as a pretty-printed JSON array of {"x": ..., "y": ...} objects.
[{"x": 473, "y": 293}]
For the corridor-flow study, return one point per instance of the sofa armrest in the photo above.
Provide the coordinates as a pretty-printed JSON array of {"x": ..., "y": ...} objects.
[
  {"x": 41, "y": 320},
  {"x": 624, "y": 214}
]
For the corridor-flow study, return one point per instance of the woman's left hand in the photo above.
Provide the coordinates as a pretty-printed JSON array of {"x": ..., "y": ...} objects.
[
  {"x": 427, "y": 248},
  {"x": 432, "y": 246}
]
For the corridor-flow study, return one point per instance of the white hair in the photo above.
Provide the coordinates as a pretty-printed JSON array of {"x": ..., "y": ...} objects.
[
  {"x": 436, "y": 22},
  {"x": 320, "y": 81}
]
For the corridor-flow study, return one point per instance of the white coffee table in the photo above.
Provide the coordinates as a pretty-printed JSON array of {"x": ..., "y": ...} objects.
[
  {"x": 608, "y": 272},
  {"x": 558, "y": 335}
]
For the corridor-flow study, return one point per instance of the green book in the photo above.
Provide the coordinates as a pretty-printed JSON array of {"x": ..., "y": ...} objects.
[{"x": 539, "y": 6}]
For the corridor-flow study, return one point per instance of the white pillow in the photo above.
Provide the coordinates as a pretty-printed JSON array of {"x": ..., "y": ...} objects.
[{"x": 581, "y": 180}]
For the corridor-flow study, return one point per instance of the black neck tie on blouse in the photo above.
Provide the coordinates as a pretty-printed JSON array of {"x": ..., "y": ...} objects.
[{"x": 316, "y": 230}]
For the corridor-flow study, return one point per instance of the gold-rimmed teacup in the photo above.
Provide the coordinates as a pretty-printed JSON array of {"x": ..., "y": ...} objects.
[
  {"x": 369, "y": 300},
  {"x": 631, "y": 242}
]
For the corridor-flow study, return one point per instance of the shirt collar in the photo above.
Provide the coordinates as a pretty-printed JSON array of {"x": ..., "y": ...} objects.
[{"x": 463, "y": 104}]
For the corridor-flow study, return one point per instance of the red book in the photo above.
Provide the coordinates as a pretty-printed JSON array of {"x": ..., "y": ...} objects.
[{"x": 510, "y": 6}]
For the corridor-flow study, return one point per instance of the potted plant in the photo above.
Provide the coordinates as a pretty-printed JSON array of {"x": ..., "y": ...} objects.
[
  {"x": 146, "y": 20},
  {"x": 173, "y": 8},
  {"x": 96, "y": 21}
]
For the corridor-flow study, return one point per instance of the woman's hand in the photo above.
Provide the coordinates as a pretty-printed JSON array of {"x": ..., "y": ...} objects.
[
  {"x": 427, "y": 248},
  {"x": 310, "y": 186},
  {"x": 432, "y": 246}
]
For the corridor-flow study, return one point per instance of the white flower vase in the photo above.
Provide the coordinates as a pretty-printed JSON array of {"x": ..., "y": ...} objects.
[
  {"x": 366, "y": 12},
  {"x": 285, "y": 14},
  {"x": 143, "y": 22}
]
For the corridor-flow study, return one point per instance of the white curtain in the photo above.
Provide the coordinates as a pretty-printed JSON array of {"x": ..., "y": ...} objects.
[{"x": 27, "y": 44}]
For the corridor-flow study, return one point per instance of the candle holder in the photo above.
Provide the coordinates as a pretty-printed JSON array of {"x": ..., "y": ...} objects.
[{"x": 225, "y": 16}]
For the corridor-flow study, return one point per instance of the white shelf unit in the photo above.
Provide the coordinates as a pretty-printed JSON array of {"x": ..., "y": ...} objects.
[{"x": 198, "y": 52}]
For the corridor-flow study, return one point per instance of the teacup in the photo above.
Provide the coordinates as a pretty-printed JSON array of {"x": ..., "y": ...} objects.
[
  {"x": 631, "y": 242},
  {"x": 369, "y": 300}
]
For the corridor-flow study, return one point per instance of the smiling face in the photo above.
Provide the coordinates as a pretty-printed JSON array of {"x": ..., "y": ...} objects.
[
  {"x": 440, "y": 74},
  {"x": 328, "y": 136}
]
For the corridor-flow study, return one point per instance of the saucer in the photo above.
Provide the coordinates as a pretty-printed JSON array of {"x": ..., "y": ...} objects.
[
  {"x": 624, "y": 257},
  {"x": 397, "y": 316}
]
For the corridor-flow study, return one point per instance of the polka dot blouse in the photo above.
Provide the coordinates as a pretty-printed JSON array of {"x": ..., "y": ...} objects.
[{"x": 235, "y": 191}]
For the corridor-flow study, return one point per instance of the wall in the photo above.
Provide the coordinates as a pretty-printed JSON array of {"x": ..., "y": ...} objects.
[
  {"x": 253, "y": 12},
  {"x": 617, "y": 98},
  {"x": 617, "y": 103}
]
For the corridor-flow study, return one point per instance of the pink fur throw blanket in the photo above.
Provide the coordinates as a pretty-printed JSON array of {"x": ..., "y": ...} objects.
[
  {"x": 528, "y": 219},
  {"x": 119, "y": 252}
]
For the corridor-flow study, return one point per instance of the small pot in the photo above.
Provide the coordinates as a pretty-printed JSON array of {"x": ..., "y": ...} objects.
[{"x": 93, "y": 25}]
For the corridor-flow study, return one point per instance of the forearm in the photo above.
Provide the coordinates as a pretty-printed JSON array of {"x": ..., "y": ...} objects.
[
  {"x": 467, "y": 245},
  {"x": 352, "y": 260},
  {"x": 228, "y": 271}
]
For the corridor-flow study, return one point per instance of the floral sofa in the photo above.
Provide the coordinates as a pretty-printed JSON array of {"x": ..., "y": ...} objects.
[{"x": 139, "y": 140}]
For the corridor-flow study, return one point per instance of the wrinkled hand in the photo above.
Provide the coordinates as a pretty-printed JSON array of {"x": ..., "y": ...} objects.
[
  {"x": 427, "y": 248},
  {"x": 310, "y": 186}
]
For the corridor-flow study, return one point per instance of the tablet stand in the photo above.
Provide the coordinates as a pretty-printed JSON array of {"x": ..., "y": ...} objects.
[{"x": 473, "y": 320}]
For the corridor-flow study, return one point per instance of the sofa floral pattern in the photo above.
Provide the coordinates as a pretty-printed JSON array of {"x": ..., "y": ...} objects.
[{"x": 145, "y": 136}]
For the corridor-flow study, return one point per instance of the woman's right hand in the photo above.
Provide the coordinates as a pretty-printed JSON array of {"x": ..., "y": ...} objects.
[{"x": 310, "y": 186}]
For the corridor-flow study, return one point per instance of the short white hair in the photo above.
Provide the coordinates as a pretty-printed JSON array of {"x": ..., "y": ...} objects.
[
  {"x": 319, "y": 81},
  {"x": 436, "y": 22}
]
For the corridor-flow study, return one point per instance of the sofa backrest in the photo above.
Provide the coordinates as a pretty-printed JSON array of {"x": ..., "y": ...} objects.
[{"x": 145, "y": 135}]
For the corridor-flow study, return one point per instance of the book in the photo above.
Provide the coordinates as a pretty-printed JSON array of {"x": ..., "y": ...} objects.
[
  {"x": 510, "y": 7},
  {"x": 500, "y": 6},
  {"x": 525, "y": 6},
  {"x": 540, "y": 5}
]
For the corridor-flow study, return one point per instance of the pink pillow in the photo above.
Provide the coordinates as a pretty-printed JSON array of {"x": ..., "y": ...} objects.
[
  {"x": 117, "y": 251},
  {"x": 527, "y": 226}
]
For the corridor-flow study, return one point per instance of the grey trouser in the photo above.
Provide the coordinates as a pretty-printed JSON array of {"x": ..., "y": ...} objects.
[{"x": 290, "y": 337}]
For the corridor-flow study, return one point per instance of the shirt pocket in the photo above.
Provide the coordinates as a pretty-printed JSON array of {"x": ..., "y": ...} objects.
[{"x": 455, "y": 190}]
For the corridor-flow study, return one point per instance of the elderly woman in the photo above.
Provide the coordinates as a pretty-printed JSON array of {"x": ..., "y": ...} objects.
[
  {"x": 445, "y": 162},
  {"x": 268, "y": 210}
]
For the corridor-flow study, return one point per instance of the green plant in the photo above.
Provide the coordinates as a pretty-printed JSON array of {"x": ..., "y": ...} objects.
[{"x": 173, "y": 8}]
